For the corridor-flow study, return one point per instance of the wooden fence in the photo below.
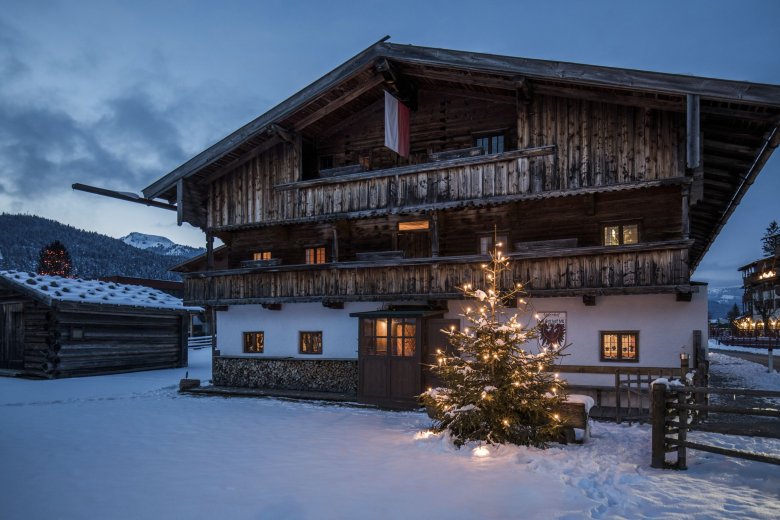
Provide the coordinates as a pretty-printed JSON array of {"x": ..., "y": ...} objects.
[{"x": 676, "y": 411}]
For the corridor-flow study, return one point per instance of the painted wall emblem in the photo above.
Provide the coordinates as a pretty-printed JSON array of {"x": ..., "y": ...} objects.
[{"x": 552, "y": 329}]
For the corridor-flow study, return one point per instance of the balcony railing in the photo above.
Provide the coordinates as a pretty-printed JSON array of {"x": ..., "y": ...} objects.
[{"x": 642, "y": 268}]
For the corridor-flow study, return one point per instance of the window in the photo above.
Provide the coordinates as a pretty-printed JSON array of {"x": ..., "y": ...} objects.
[
  {"x": 491, "y": 143},
  {"x": 315, "y": 255},
  {"x": 310, "y": 342},
  {"x": 326, "y": 162},
  {"x": 486, "y": 244},
  {"x": 621, "y": 234},
  {"x": 399, "y": 334},
  {"x": 413, "y": 225},
  {"x": 262, "y": 255},
  {"x": 254, "y": 342},
  {"x": 620, "y": 346}
]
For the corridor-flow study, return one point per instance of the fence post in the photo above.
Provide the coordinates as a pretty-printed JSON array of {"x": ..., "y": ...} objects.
[
  {"x": 617, "y": 396},
  {"x": 682, "y": 430},
  {"x": 658, "y": 420},
  {"x": 769, "y": 360}
]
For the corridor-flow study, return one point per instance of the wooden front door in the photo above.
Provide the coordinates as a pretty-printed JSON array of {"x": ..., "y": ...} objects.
[
  {"x": 11, "y": 336},
  {"x": 437, "y": 340},
  {"x": 389, "y": 361}
]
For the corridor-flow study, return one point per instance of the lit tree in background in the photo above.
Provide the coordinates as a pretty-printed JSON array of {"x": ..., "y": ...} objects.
[
  {"x": 54, "y": 260},
  {"x": 497, "y": 386}
]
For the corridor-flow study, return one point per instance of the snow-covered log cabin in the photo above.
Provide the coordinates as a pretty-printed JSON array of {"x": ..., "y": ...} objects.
[
  {"x": 60, "y": 327},
  {"x": 352, "y": 212}
]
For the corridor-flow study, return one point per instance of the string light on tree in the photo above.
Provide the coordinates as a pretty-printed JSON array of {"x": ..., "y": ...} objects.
[
  {"x": 54, "y": 260},
  {"x": 495, "y": 388}
]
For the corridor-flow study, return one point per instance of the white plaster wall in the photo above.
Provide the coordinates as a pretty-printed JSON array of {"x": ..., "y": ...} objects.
[
  {"x": 339, "y": 331},
  {"x": 665, "y": 328}
]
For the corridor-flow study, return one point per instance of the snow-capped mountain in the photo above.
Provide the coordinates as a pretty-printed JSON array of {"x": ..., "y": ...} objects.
[
  {"x": 160, "y": 245},
  {"x": 721, "y": 300}
]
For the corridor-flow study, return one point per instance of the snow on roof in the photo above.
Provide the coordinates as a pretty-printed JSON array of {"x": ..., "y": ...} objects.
[{"x": 57, "y": 288}]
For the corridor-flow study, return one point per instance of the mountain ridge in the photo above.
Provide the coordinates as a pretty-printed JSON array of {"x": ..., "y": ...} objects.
[{"x": 93, "y": 255}]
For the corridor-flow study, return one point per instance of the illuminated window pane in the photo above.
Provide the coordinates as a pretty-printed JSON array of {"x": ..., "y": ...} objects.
[
  {"x": 315, "y": 255},
  {"x": 619, "y": 346},
  {"x": 415, "y": 225},
  {"x": 310, "y": 342},
  {"x": 254, "y": 342},
  {"x": 263, "y": 255},
  {"x": 612, "y": 235},
  {"x": 630, "y": 234}
]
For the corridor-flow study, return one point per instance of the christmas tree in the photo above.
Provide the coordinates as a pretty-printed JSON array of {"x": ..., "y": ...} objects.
[
  {"x": 54, "y": 260},
  {"x": 498, "y": 384}
]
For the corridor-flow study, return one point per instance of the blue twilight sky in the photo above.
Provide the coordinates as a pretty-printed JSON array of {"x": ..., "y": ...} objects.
[{"x": 117, "y": 94}]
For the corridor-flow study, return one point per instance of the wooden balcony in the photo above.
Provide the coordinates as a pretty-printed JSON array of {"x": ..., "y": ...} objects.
[
  {"x": 642, "y": 268},
  {"x": 247, "y": 200}
]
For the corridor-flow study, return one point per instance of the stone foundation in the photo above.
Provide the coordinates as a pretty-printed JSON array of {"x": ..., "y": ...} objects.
[{"x": 320, "y": 375}]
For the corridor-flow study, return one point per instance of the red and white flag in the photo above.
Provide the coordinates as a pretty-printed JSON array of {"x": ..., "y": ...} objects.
[{"x": 396, "y": 125}]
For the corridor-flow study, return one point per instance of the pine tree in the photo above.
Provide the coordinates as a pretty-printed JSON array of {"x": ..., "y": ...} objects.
[
  {"x": 733, "y": 314},
  {"x": 54, "y": 260},
  {"x": 771, "y": 239},
  {"x": 497, "y": 386}
]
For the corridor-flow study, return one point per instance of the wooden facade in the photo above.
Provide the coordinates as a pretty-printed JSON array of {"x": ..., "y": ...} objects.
[
  {"x": 554, "y": 159},
  {"x": 53, "y": 339}
]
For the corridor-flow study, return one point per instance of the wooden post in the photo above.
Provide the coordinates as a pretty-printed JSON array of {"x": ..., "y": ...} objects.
[
  {"x": 658, "y": 420},
  {"x": 686, "y": 221},
  {"x": 682, "y": 430},
  {"x": 209, "y": 251},
  {"x": 617, "y": 397},
  {"x": 693, "y": 137},
  {"x": 434, "y": 234},
  {"x": 769, "y": 360},
  {"x": 335, "y": 248}
]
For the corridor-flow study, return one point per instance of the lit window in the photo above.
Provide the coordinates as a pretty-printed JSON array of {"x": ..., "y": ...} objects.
[
  {"x": 621, "y": 234},
  {"x": 620, "y": 346},
  {"x": 493, "y": 143},
  {"x": 400, "y": 334},
  {"x": 315, "y": 255},
  {"x": 486, "y": 244},
  {"x": 414, "y": 225},
  {"x": 310, "y": 342},
  {"x": 254, "y": 342},
  {"x": 263, "y": 255}
]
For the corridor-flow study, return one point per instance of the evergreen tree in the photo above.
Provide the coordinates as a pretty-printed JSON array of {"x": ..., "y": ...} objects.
[
  {"x": 733, "y": 314},
  {"x": 54, "y": 260},
  {"x": 497, "y": 386},
  {"x": 771, "y": 239}
]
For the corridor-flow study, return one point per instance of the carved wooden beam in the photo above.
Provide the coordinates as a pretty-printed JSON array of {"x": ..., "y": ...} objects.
[
  {"x": 397, "y": 83},
  {"x": 338, "y": 102}
]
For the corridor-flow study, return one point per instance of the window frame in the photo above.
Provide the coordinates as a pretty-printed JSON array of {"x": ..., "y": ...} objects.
[
  {"x": 315, "y": 255},
  {"x": 301, "y": 334},
  {"x": 255, "y": 333},
  {"x": 502, "y": 237},
  {"x": 619, "y": 334},
  {"x": 262, "y": 255},
  {"x": 621, "y": 234},
  {"x": 489, "y": 135},
  {"x": 390, "y": 340}
]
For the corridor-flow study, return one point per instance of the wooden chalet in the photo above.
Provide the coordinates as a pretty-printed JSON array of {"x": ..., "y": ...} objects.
[
  {"x": 55, "y": 327},
  {"x": 342, "y": 260}
]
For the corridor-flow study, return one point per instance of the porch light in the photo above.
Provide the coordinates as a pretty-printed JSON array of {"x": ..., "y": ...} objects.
[{"x": 683, "y": 357}]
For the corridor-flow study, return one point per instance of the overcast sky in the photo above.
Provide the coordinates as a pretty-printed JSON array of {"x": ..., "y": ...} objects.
[{"x": 117, "y": 94}]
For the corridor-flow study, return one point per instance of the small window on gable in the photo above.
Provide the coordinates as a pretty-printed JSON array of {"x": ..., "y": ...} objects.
[
  {"x": 490, "y": 143},
  {"x": 310, "y": 342},
  {"x": 261, "y": 255},
  {"x": 254, "y": 342},
  {"x": 486, "y": 244},
  {"x": 620, "y": 346},
  {"x": 315, "y": 255},
  {"x": 326, "y": 162},
  {"x": 413, "y": 225},
  {"x": 620, "y": 234}
]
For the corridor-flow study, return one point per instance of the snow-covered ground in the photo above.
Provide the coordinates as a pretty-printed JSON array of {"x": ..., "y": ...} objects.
[
  {"x": 129, "y": 446},
  {"x": 722, "y": 346}
]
